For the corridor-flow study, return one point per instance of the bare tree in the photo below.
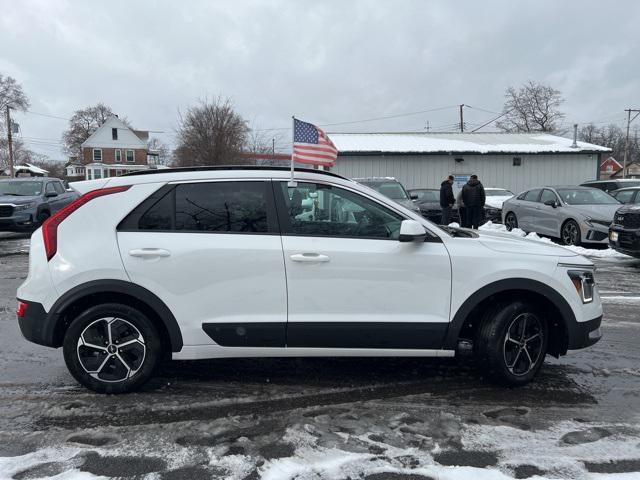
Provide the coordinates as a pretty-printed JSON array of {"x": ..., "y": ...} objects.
[
  {"x": 534, "y": 107},
  {"x": 265, "y": 143},
  {"x": 161, "y": 148},
  {"x": 612, "y": 136},
  {"x": 211, "y": 133},
  {"x": 82, "y": 124},
  {"x": 11, "y": 94}
]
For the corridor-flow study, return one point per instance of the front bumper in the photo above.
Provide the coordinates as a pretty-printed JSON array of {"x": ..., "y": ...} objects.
[
  {"x": 17, "y": 223},
  {"x": 628, "y": 241},
  {"x": 584, "y": 334},
  {"x": 594, "y": 233},
  {"x": 493, "y": 214}
]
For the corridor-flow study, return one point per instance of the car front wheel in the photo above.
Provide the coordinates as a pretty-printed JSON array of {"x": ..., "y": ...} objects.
[
  {"x": 112, "y": 348},
  {"x": 511, "y": 221},
  {"x": 511, "y": 343},
  {"x": 570, "y": 234}
]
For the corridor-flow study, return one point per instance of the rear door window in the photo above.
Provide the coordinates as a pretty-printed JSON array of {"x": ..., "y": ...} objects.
[{"x": 215, "y": 207}]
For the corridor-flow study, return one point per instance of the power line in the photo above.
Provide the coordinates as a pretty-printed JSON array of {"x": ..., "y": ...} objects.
[{"x": 46, "y": 115}]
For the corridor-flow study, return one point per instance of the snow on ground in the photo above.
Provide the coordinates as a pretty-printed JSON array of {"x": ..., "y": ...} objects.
[{"x": 516, "y": 232}]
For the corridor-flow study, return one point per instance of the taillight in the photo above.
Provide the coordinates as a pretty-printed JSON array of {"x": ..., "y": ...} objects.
[
  {"x": 51, "y": 224},
  {"x": 22, "y": 309}
]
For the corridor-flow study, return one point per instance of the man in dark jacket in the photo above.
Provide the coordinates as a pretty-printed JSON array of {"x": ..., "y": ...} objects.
[
  {"x": 446, "y": 199},
  {"x": 473, "y": 197}
]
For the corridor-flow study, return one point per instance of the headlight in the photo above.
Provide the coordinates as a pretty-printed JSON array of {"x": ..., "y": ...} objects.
[
  {"x": 584, "y": 283},
  {"x": 24, "y": 206}
]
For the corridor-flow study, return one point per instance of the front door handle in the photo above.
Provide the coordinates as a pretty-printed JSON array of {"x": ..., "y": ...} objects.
[
  {"x": 149, "y": 252},
  {"x": 309, "y": 257}
]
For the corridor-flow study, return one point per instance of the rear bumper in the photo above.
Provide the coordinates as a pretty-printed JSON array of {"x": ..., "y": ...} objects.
[
  {"x": 628, "y": 241},
  {"x": 35, "y": 325},
  {"x": 584, "y": 334}
]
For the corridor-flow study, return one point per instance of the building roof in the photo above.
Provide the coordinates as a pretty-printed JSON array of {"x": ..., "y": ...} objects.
[
  {"x": 127, "y": 138},
  {"x": 446, "y": 143}
]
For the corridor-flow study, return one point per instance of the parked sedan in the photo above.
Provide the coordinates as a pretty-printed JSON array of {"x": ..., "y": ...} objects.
[
  {"x": 428, "y": 201},
  {"x": 624, "y": 233},
  {"x": 576, "y": 215}
]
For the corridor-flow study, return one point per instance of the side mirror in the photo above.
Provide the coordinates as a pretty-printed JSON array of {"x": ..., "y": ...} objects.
[
  {"x": 50, "y": 194},
  {"x": 551, "y": 203},
  {"x": 412, "y": 231},
  {"x": 414, "y": 196}
]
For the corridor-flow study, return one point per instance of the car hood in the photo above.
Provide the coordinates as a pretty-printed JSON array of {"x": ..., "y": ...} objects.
[
  {"x": 496, "y": 202},
  {"x": 429, "y": 205},
  {"x": 597, "y": 212},
  {"x": 632, "y": 208},
  {"x": 508, "y": 243},
  {"x": 17, "y": 200}
]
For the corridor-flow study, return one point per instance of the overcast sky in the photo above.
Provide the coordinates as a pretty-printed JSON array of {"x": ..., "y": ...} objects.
[{"x": 326, "y": 62}]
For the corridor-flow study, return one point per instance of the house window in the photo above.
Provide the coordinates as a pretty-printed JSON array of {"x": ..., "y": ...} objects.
[
  {"x": 114, "y": 133},
  {"x": 97, "y": 155},
  {"x": 131, "y": 156},
  {"x": 118, "y": 156},
  {"x": 517, "y": 161}
]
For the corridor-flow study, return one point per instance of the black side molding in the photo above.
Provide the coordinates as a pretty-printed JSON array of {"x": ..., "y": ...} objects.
[{"x": 257, "y": 334}]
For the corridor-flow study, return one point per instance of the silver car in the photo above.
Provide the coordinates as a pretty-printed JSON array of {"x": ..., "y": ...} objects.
[{"x": 575, "y": 215}]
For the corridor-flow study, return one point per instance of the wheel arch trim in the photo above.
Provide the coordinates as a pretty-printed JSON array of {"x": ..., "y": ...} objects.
[
  {"x": 120, "y": 287},
  {"x": 503, "y": 286}
]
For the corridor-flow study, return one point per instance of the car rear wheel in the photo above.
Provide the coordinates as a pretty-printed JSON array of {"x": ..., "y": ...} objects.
[
  {"x": 112, "y": 348},
  {"x": 511, "y": 343},
  {"x": 511, "y": 221},
  {"x": 570, "y": 233}
]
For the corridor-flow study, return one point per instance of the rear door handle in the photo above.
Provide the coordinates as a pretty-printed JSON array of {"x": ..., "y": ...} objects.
[
  {"x": 309, "y": 257},
  {"x": 149, "y": 252}
]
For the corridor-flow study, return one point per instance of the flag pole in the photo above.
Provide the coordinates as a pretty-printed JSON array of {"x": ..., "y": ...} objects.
[{"x": 292, "y": 182}]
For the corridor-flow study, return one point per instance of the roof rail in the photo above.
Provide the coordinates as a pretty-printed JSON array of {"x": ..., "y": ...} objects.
[{"x": 229, "y": 167}]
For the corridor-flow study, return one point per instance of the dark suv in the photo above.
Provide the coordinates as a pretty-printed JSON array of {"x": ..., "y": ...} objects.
[
  {"x": 28, "y": 201},
  {"x": 624, "y": 232},
  {"x": 612, "y": 184}
]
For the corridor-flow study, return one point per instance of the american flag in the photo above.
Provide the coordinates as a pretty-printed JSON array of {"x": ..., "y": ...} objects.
[{"x": 312, "y": 146}]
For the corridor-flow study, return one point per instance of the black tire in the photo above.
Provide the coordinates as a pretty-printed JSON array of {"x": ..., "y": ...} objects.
[
  {"x": 114, "y": 369},
  {"x": 511, "y": 356},
  {"x": 511, "y": 221},
  {"x": 40, "y": 219},
  {"x": 570, "y": 233}
]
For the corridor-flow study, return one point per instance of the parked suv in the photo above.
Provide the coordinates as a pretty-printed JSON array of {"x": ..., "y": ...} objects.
[
  {"x": 390, "y": 188},
  {"x": 229, "y": 262},
  {"x": 624, "y": 233},
  {"x": 612, "y": 184},
  {"x": 27, "y": 202}
]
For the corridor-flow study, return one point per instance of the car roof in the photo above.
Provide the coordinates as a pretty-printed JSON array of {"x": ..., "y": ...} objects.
[
  {"x": 423, "y": 188},
  {"x": 627, "y": 188},
  {"x": 621, "y": 180},
  {"x": 573, "y": 187},
  {"x": 375, "y": 179},
  {"x": 497, "y": 188},
  {"x": 27, "y": 179}
]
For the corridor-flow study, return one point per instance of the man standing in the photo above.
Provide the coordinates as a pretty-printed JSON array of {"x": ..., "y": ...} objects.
[
  {"x": 446, "y": 199},
  {"x": 473, "y": 197}
]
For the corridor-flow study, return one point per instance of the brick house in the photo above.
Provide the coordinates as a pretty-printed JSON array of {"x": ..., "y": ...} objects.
[{"x": 115, "y": 149}]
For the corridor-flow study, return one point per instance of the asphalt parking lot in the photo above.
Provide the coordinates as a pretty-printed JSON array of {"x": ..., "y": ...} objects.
[{"x": 327, "y": 418}]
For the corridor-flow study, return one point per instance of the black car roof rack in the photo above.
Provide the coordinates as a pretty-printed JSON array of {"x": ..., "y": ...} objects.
[{"x": 229, "y": 167}]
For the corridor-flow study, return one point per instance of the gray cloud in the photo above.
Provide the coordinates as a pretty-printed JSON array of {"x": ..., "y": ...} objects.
[{"x": 326, "y": 62}]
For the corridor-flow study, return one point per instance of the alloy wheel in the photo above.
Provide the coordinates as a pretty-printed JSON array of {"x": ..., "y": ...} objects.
[
  {"x": 111, "y": 349},
  {"x": 523, "y": 344},
  {"x": 570, "y": 234}
]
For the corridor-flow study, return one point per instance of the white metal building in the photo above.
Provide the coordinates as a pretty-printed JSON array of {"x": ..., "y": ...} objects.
[{"x": 515, "y": 161}]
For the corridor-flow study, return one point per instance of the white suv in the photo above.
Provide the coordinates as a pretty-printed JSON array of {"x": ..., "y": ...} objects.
[{"x": 239, "y": 262}]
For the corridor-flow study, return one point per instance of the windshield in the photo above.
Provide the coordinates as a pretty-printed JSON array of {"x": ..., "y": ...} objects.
[
  {"x": 586, "y": 197},
  {"x": 498, "y": 193},
  {"x": 392, "y": 190},
  {"x": 20, "y": 188},
  {"x": 428, "y": 195}
]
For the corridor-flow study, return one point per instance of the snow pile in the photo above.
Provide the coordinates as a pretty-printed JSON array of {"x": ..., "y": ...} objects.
[{"x": 516, "y": 232}]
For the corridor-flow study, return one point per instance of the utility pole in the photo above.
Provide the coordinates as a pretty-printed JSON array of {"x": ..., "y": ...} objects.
[
  {"x": 273, "y": 147},
  {"x": 626, "y": 142},
  {"x": 10, "y": 141},
  {"x": 461, "y": 119}
]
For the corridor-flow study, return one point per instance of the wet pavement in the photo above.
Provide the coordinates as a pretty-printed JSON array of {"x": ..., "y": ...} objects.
[{"x": 315, "y": 418}]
